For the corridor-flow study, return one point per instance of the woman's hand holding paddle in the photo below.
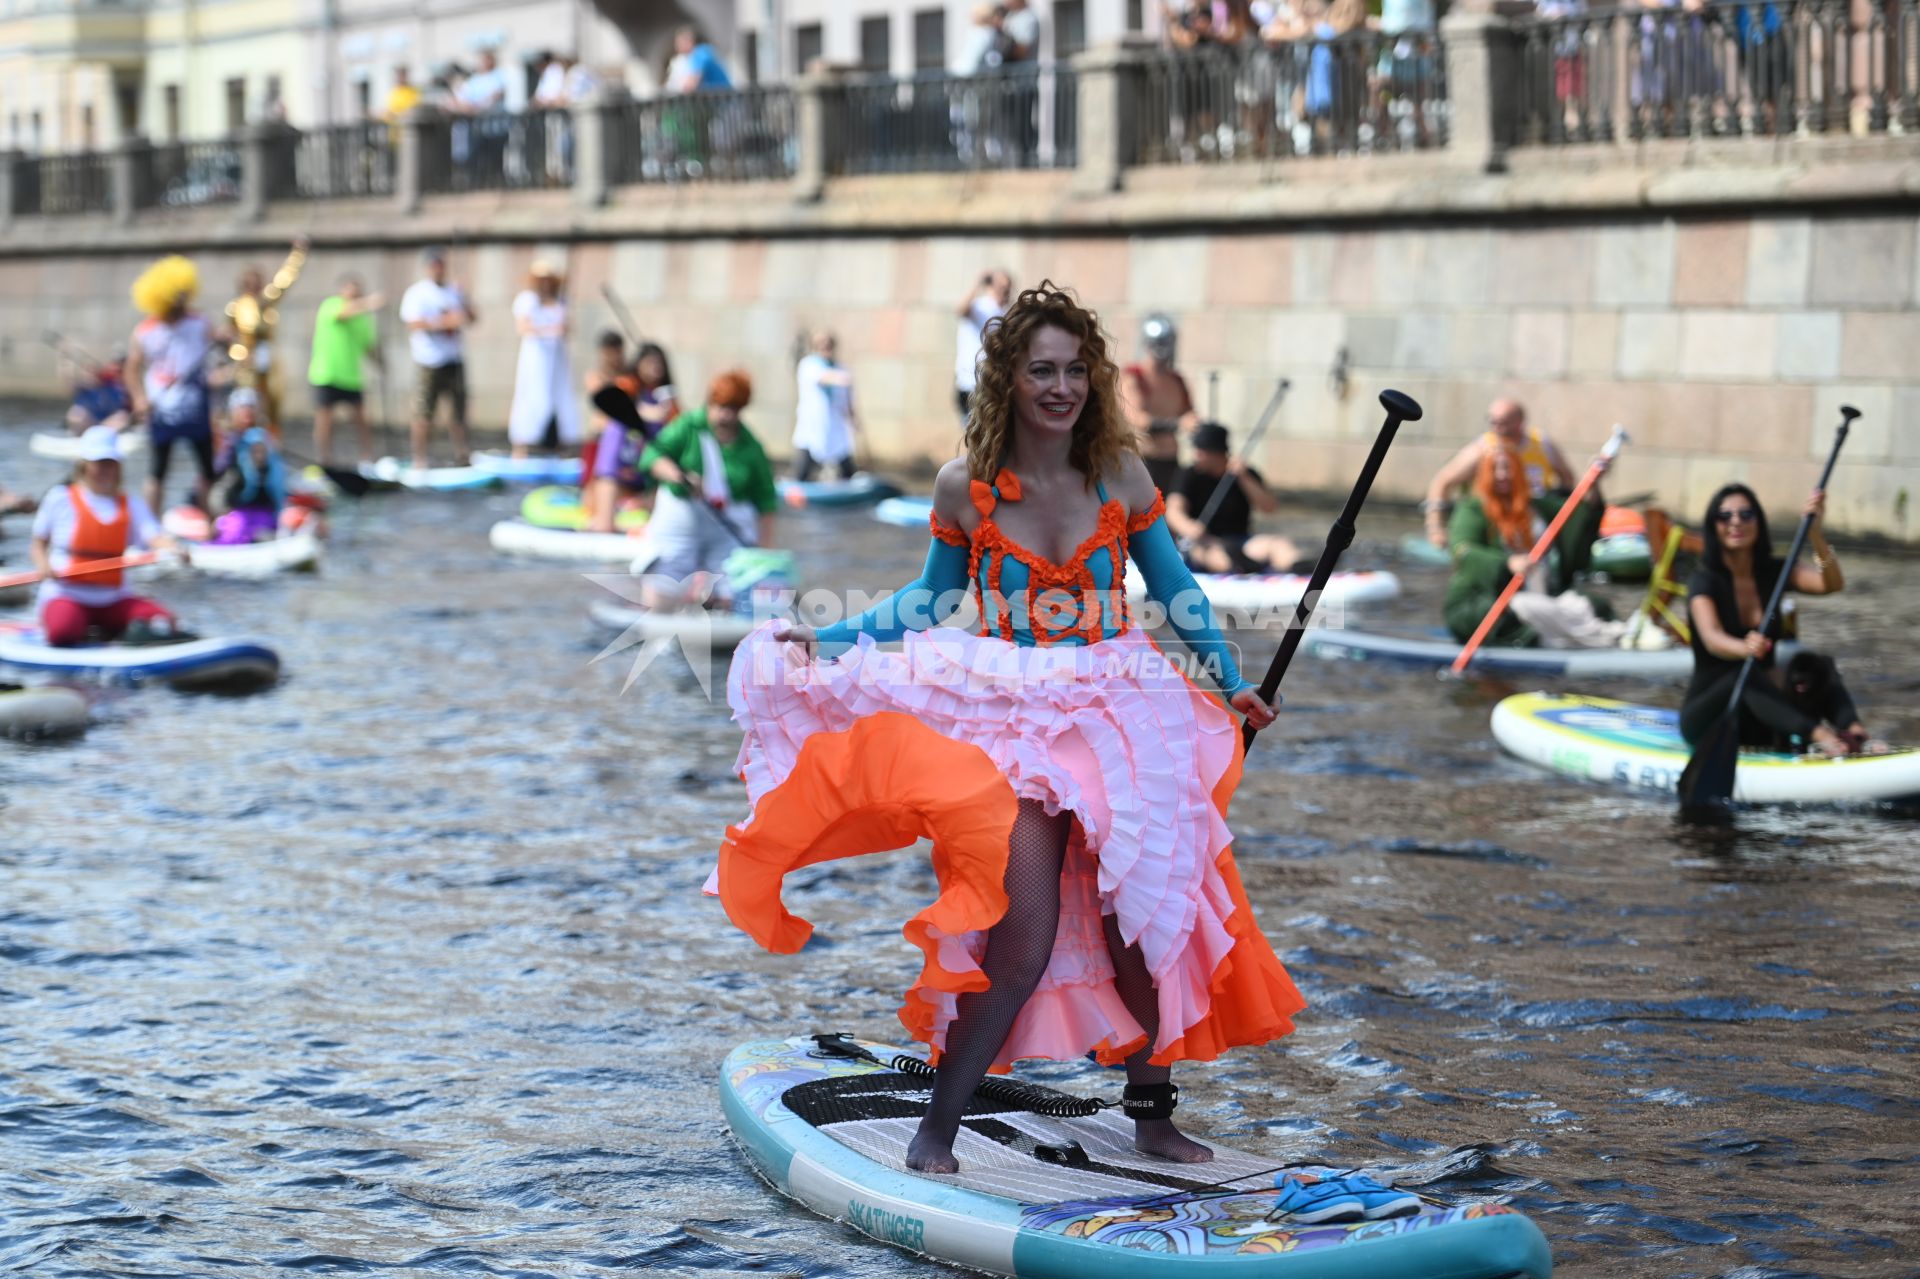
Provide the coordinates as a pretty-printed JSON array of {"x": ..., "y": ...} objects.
[{"x": 1258, "y": 710}]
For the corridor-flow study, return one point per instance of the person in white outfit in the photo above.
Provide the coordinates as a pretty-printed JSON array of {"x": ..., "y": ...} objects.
[
  {"x": 545, "y": 412},
  {"x": 823, "y": 416},
  {"x": 984, "y": 303}
]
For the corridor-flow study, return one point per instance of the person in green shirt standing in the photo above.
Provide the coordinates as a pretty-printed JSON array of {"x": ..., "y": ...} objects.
[
  {"x": 343, "y": 334},
  {"x": 706, "y": 458}
]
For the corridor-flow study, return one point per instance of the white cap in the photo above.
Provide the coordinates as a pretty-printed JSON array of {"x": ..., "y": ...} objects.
[
  {"x": 244, "y": 397},
  {"x": 100, "y": 444}
]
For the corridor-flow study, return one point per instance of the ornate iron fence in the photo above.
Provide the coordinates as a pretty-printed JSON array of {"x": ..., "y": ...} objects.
[
  {"x": 497, "y": 151},
  {"x": 62, "y": 185},
  {"x": 1017, "y": 118},
  {"x": 731, "y": 135}
]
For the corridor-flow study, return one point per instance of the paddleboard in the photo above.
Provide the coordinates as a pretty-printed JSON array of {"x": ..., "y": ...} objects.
[
  {"x": 195, "y": 664},
  {"x": 1268, "y": 598},
  {"x": 861, "y": 490},
  {"x": 51, "y": 711},
  {"x": 528, "y": 470},
  {"x": 251, "y": 560},
  {"x": 63, "y": 447},
  {"x": 1626, "y": 744},
  {"x": 430, "y": 479},
  {"x": 1594, "y": 663},
  {"x": 1416, "y": 549},
  {"x": 711, "y": 627},
  {"x": 559, "y": 506},
  {"x": 1046, "y": 1198},
  {"x": 906, "y": 512},
  {"x": 517, "y": 537}
]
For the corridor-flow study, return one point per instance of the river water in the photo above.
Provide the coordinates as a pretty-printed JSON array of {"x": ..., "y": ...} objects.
[{"x": 401, "y": 966}]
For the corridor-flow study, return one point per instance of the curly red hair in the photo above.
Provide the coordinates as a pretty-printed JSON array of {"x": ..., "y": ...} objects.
[
  {"x": 1101, "y": 438},
  {"x": 730, "y": 390}
]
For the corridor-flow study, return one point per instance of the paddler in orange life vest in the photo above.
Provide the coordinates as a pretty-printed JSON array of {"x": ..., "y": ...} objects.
[
  {"x": 1546, "y": 468},
  {"x": 94, "y": 520}
]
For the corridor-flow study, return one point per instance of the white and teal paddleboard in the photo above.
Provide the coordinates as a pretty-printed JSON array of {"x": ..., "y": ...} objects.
[
  {"x": 1624, "y": 744},
  {"x": 1069, "y": 1198}
]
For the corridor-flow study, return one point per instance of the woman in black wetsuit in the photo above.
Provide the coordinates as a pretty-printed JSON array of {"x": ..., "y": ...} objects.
[{"x": 1807, "y": 708}]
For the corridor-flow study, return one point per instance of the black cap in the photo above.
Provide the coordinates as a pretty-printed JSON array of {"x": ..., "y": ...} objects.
[{"x": 1210, "y": 437}]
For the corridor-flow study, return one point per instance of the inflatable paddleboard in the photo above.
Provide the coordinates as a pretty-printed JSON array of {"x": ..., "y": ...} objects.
[
  {"x": 62, "y": 447},
  {"x": 195, "y": 664},
  {"x": 1268, "y": 597},
  {"x": 1624, "y": 744},
  {"x": 517, "y": 537},
  {"x": 528, "y": 470},
  {"x": 41, "y": 712},
  {"x": 254, "y": 560},
  {"x": 861, "y": 490},
  {"x": 906, "y": 512},
  {"x": 1416, "y": 549},
  {"x": 559, "y": 506},
  {"x": 430, "y": 479},
  {"x": 716, "y": 629},
  {"x": 1594, "y": 663},
  {"x": 1046, "y": 1198}
]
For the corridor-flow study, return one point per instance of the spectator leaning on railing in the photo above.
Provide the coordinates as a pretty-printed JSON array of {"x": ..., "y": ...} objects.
[{"x": 695, "y": 64}]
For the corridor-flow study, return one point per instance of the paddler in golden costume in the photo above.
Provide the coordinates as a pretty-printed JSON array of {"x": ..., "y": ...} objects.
[{"x": 253, "y": 323}]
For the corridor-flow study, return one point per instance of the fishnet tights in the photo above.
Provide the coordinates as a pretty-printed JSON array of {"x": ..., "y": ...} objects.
[{"x": 1018, "y": 950}]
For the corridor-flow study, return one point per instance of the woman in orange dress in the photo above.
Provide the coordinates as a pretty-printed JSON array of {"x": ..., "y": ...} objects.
[{"x": 1073, "y": 780}]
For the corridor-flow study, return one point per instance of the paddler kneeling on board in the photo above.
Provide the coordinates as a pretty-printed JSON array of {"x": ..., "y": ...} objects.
[
  {"x": 1805, "y": 707},
  {"x": 1226, "y": 543},
  {"x": 259, "y": 501},
  {"x": 94, "y": 520},
  {"x": 1492, "y": 530},
  {"x": 1073, "y": 780},
  {"x": 716, "y": 495}
]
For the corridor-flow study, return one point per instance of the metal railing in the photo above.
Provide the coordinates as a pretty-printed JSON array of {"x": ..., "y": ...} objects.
[
  {"x": 61, "y": 185},
  {"x": 1721, "y": 70},
  {"x": 342, "y": 162},
  {"x": 497, "y": 151},
  {"x": 1357, "y": 93},
  {"x": 187, "y": 175},
  {"x": 740, "y": 135},
  {"x": 1021, "y": 118}
]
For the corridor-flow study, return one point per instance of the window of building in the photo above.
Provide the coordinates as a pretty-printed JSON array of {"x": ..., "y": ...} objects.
[
  {"x": 808, "y": 45},
  {"x": 363, "y": 99},
  {"x": 126, "y": 96},
  {"x": 1069, "y": 27},
  {"x": 930, "y": 40},
  {"x": 87, "y": 141},
  {"x": 236, "y": 103},
  {"x": 172, "y": 111},
  {"x": 1136, "y": 21},
  {"x": 275, "y": 109},
  {"x": 876, "y": 37},
  {"x": 34, "y": 135},
  {"x": 749, "y": 57}
]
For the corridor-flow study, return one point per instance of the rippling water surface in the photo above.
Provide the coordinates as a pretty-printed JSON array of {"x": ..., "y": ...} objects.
[{"x": 401, "y": 966}]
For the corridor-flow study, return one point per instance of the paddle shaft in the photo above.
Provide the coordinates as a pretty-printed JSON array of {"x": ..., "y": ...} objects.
[
  {"x": 1400, "y": 408},
  {"x": 80, "y": 570},
  {"x": 618, "y": 405},
  {"x": 1786, "y": 570},
  {"x": 1540, "y": 547},
  {"x": 1228, "y": 480},
  {"x": 620, "y": 313}
]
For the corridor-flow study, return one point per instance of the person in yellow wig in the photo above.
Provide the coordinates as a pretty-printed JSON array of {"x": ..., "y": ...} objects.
[
  {"x": 167, "y": 372},
  {"x": 253, "y": 322}
]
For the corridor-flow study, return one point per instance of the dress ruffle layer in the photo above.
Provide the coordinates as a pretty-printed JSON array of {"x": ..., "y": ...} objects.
[{"x": 878, "y": 749}]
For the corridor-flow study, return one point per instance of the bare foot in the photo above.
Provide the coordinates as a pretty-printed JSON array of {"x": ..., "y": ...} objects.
[
  {"x": 927, "y": 1153},
  {"x": 1158, "y": 1137}
]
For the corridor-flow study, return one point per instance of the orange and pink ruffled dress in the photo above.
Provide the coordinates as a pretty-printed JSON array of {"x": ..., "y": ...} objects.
[{"x": 1062, "y": 701}]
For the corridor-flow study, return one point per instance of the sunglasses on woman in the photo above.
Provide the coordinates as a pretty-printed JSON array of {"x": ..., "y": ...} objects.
[{"x": 1737, "y": 515}]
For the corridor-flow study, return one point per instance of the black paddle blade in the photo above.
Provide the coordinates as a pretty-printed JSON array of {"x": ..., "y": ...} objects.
[
  {"x": 619, "y": 406},
  {"x": 352, "y": 483},
  {"x": 1706, "y": 787}
]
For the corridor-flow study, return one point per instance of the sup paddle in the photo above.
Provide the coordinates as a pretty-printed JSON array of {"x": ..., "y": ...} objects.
[
  {"x": 1229, "y": 479},
  {"x": 1400, "y": 408},
  {"x": 620, "y": 313},
  {"x": 1706, "y": 786},
  {"x": 80, "y": 570},
  {"x": 1541, "y": 547},
  {"x": 618, "y": 405}
]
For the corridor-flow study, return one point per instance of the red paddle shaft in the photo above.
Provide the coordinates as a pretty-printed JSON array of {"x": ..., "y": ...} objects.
[{"x": 80, "y": 570}]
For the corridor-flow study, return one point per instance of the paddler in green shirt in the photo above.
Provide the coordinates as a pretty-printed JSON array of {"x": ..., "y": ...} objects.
[
  {"x": 708, "y": 458},
  {"x": 343, "y": 334}
]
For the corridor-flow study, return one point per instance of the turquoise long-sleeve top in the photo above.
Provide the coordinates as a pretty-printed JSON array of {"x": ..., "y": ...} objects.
[{"x": 1031, "y": 601}]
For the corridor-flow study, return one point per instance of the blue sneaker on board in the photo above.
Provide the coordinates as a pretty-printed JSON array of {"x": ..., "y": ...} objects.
[
  {"x": 1377, "y": 1200},
  {"x": 1305, "y": 1197}
]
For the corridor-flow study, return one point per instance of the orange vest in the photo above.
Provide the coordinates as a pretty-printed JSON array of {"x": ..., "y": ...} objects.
[{"x": 94, "y": 540}]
